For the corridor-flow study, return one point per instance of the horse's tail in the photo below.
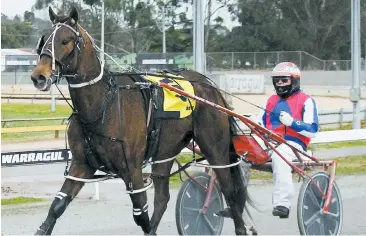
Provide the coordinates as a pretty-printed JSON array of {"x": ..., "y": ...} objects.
[
  {"x": 251, "y": 202},
  {"x": 241, "y": 181},
  {"x": 236, "y": 171}
]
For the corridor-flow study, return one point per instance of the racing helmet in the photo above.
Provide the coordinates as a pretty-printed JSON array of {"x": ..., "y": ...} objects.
[{"x": 286, "y": 69}]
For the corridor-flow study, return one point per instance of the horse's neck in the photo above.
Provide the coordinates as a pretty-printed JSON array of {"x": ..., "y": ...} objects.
[
  {"x": 89, "y": 63},
  {"x": 89, "y": 100}
]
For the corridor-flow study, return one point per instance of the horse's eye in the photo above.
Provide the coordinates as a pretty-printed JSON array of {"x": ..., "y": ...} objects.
[{"x": 64, "y": 42}]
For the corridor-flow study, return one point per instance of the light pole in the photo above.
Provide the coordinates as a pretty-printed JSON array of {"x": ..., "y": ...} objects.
[
  {"x": 163, "y": 29},
  {"x": 198, "y": 36},
  {"x": 102, "y": 36},
  {"x": 356, "y": 62},
  {"x": 96, "y": 196}
]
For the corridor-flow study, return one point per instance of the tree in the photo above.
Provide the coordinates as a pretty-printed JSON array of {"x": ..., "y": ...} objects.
[
  {"x": 261, "y": 27},
  {"x": 15, "y": 34},
  {"x": 323, "y": 26},
  {"x": 218, "y": 20},
  {"x": 28, "y": 16}
]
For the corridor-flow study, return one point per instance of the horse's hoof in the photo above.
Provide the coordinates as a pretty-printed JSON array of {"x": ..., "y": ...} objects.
[
  {"x": 151, "y": 233},
  {"x": 40, "y": 232},
  {"x": 251, "y": 230},
  {"x": 254, "y": 231}
]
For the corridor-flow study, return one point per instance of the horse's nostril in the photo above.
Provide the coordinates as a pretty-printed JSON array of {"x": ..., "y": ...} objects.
[
  {"x": 33, "y": 79},
  {"x": 40, "y": 79}
]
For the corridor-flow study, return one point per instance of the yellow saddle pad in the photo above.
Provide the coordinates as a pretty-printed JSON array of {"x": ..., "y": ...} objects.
[{"x": 174, "y": 102}]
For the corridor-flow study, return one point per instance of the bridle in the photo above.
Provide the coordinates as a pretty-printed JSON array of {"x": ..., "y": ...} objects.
[{"x": 50, "y": 51}]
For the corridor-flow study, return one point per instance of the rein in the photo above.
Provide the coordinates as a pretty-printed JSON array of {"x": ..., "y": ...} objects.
[
  {"x": 107, "y": 101},
  {"x": 51, "y": 53},
  {"x": 100, "y": 76}
]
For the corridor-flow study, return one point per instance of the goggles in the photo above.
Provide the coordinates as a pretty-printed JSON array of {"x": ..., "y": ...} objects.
[{"x": 284, "y": 79}]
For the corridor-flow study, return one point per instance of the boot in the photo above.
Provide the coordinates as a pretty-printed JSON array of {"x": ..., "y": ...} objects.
[
  {"x": 224, "y": 213},
  {"x": 281, "y": 211}
]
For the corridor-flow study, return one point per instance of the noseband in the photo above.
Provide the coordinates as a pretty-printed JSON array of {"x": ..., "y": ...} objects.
[{"x": 76, "y": 49}]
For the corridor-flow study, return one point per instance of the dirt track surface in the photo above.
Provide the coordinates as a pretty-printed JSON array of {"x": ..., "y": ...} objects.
[
  {"x": 112, "y": 214},
  {"x": 242, "y": 107}
]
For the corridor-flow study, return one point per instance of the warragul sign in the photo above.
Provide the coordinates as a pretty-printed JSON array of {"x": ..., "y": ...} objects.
[{"x": 35, "y": 157}]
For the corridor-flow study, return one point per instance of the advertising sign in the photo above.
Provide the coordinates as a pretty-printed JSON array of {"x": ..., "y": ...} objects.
[
  {"x": 246, "y": 84},
  {"x": 35, "y": 157},
  {"x": 240, "y": 83}
]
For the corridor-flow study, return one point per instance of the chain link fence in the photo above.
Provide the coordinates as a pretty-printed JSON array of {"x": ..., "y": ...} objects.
[
  {"x": 267, "y": 60},
  {"x": 16, "y": 69}
]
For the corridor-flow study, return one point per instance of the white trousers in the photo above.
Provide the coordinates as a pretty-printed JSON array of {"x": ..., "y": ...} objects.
[{"x": 283, "y": 187}]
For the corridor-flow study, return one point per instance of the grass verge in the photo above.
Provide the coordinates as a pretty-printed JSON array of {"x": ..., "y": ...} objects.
[
  {"x": 28, "y": 111},
  {"x": 18, "y": 111},
  {"x": 345, "y": 166},
  {"x": 351, "y": 165},
  {"x": 322, "y": 146},
  {"x": 20, "y": 200},
  {"x": 345, "y": 126}
]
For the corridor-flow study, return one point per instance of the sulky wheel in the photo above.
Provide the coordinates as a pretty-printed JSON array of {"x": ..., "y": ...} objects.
[
  {"x": 310, "y": 218},
  {"x": 190, "y": 201}
]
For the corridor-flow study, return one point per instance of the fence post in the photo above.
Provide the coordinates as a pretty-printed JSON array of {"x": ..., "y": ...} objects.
[
  {"x": 255, "y": 60},
  {"x": 53, "y": 99},
  {"x": 96, "y": 196},
  {"x": 300, "y": 60},
  {"x": 341, "y": 118}
]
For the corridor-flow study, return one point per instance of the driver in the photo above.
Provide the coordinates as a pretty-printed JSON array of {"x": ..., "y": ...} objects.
[{"x": 293, "y": 115}]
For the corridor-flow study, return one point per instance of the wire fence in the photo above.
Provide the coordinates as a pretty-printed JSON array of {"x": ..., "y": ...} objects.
[
  {"x": 330, "y": 118},
  {"x": 214, "y": 61},
  {"x": 16, "y": 69},
  {"x": 267, "y": 60}
]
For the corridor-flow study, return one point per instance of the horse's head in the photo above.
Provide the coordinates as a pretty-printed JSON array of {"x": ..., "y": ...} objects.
[{"x": 58, "y": 51}]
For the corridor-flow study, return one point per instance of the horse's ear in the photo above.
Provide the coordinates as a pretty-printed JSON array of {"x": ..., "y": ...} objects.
[
  {"x": 52, "y": 15},
  {"x": 74, "y": 16}
]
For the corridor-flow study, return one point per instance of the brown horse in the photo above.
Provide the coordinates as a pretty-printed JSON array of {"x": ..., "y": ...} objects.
[{"x": 108, "y": 129}]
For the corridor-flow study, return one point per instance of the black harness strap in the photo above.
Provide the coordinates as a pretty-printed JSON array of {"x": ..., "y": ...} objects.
[{"x": 154, "y": 126}]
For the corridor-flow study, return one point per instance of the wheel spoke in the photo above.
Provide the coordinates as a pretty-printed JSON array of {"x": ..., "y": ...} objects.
[
  {"x": 332, "y": 215},
  {"x": 321, "y": 224},
  {"x": 325, "y": 191},
  {"x": 198, "y": 221},
  {"x": 191, "y": 209},
  {"x": 208, "y": 223},
  {"x": 190, "y": 218},
  {"x": 313, "y": 197},
  {"x": 312, "y": 219},
  {"x": 199, "y": 198},
  {"x": 332, "y": 219}
]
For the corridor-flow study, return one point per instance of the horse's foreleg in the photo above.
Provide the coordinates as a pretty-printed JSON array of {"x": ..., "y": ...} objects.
[
  {"x": 162, "y": 195},
  {"x": 67, "y": 193},
  {"x": 139, "y": 202}
]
